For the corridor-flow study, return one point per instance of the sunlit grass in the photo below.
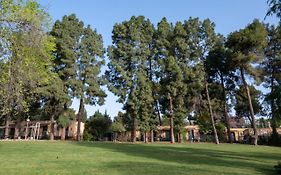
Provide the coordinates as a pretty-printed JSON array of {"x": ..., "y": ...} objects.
[{"x": 97, "y": 158}]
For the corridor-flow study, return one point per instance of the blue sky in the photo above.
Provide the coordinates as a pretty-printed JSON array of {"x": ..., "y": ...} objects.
[{"x": 228, "y": 15}]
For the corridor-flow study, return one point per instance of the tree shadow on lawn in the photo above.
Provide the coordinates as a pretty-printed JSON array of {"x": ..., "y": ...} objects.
[
  {"x": 194, "y": 156},
  {"x": 141, "y": 167}
]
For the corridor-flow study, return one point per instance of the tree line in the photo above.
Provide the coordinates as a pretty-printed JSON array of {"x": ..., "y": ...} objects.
[{"x": 164, "y": 73}]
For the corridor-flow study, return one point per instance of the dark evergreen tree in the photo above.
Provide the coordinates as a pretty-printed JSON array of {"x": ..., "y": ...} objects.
[
  {"x": 64, "y": 119},
  {"x": 144, "y": 105},
  {"x": 241, "y": 105},
  {"x": 201, "y": 41},
  {"x": 98, "y": 125},
  {"x": 271, "y": 77},
  {"x": 274, "y": 8},
  {"x": 220, "y": 70},
  {"x": 173, "y": 88},
  {"x": 79, "y": 59},
  {"x": 246, "y": 44},
  {"x": 129, "y": 57}
]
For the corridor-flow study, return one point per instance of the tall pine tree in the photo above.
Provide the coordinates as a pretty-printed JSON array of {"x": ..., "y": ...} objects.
[
  {"x": 79, "y": 59},
  {"x": 246, "y": 44},
  {"x": 129, "y": 58},
  {"x": 271, "y": 66},
  {"x": 220, "y": 70}
]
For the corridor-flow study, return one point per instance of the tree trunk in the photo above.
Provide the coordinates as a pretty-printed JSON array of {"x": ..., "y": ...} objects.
[
  {"x": 229, "y": 135},
  {"x": 150, "y": 74},
  {"x": 273, "y": 115},
  {"x": 62, "y": 136},
  {"x": 52, "y": 133},
  {"x": 145, "y": 137},
  {"x": 7, "y": 126},
  {"x": 151, "y": 136},
  {"x": 158, "y": 114},
  {"x": 211, "y": 114},
  {"x": 172, "y": 136},
  {"x": 190, "y": 136},
  {"x": 230, "y": 139},
  {"x": 134, "y": 128},
  {"x": 114, "y": 136},
  {"x": 255, "y": 142},
  {"x": 180, "y": 139},
  {"x": 17, "y": 129},
  {"x": 79, "y": 117},
  {"x": 9, "y": 100}
]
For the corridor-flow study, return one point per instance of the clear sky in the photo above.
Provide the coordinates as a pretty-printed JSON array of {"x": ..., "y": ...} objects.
[{"x": 228, "y": 15}]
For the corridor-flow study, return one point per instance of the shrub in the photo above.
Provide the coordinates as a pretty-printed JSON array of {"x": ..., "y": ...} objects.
[
  {"x": 275, "y": 140},
  {"x": 87, "y": 136}
]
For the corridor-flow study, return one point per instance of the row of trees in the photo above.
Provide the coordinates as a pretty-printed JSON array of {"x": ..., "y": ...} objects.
[
  {"x": 169, "y": 71},
  {"x": 42, "y": 71}
]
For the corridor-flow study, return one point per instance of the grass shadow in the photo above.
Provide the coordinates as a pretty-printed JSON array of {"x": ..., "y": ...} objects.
[{"x": 194, "y": 156}]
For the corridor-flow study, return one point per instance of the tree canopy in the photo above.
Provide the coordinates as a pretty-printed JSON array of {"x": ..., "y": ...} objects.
[{"x": 163, "y": 74}]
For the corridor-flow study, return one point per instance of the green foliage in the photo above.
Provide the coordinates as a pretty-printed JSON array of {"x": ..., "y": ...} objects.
[
  {"x": 242, "y": 106},
  {"x": 222, "y": 76},
  {"x": 274, "y": 8},
  {"x": 271, "y": 76},
  {"x": 174, "y": 88},
  {"x": 129, "y": 66},
  {"x": 169, "y": 59},
  {"x": 87, "y": 136},
  {"x": 274, "y": 139},
  {"x": 79, "y": 57},
  {"x": 169, "y": 69},
  {"x": 145, "y": 104},
  {"x": 252, "y": 38},
  {"x": 81, "y": 66},
  {"x": 54, "y": 99},
  {"x": 246, "y": 46},
  {"x": 204, "y": 122},
  {"x": 171, "y": 55},
  {"x": 66, "y": 117},
  {"x": 219, "y": 66},
  {"x": 97, "y": 126},
  {"x": 27, "y": 59},
  {"x": 128, "y": 55},
  {"x": 124, "y": 119},
  {"x": 221, "y": 131},
  {"x": 117, "y": 127}
]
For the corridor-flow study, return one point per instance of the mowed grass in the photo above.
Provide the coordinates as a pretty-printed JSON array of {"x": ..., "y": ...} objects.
[{"x": 98, "y": 158}]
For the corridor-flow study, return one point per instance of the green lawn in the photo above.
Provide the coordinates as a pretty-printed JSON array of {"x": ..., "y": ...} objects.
[{"x": 43, "y": 157}]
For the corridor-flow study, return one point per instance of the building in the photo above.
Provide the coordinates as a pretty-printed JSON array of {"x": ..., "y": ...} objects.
[
  {"x": 237, "y": 122},
  {"x": 41, "y": 130},
  {"x": 191, "y": 133}
]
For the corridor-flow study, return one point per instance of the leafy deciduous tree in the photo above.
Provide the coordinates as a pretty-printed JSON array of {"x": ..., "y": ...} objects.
[{"x": 26, "y": 57}]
